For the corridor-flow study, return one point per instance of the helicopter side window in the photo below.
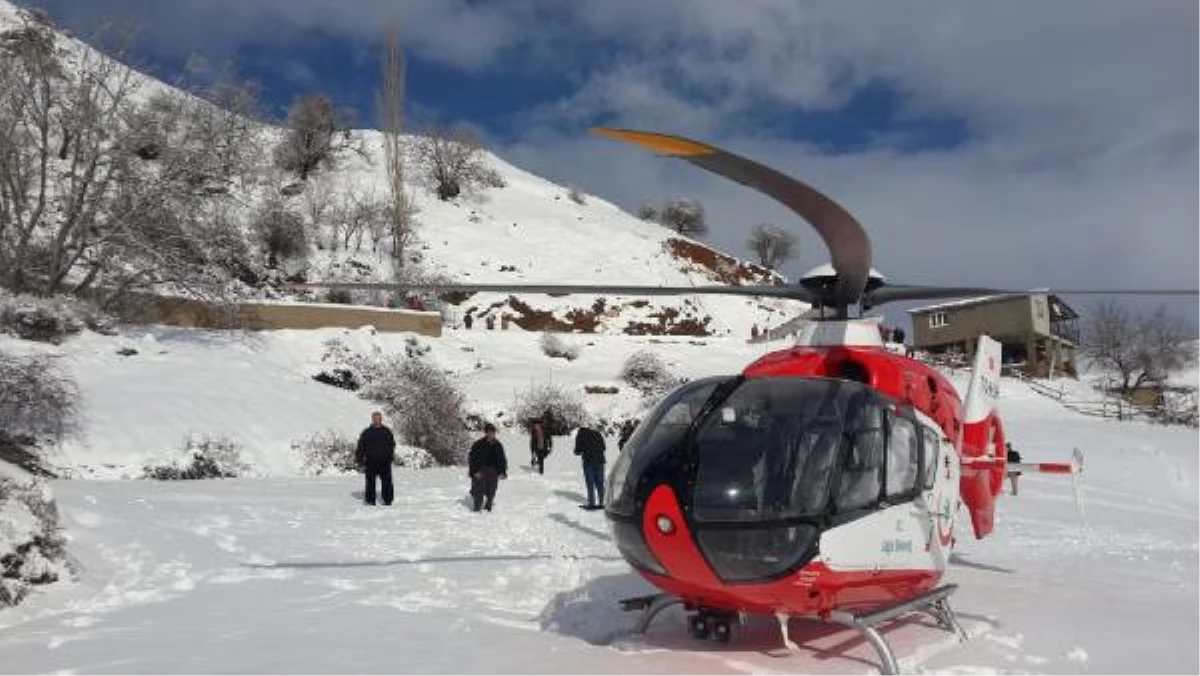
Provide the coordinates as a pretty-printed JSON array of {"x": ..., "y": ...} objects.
[
  {"x": 861, "y": 480},
  {"x": 930, "y": 449},
  {"x": 903, "y": 457}
]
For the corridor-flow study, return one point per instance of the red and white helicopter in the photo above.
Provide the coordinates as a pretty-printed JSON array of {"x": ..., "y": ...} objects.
[{"x": 828, "y": 480}]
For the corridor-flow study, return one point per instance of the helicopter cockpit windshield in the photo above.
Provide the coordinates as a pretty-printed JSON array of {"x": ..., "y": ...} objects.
[{"x": 769, "y": 450}]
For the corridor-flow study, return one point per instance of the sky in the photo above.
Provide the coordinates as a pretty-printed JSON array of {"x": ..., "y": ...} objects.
[{"x": 1020, "y": 144}]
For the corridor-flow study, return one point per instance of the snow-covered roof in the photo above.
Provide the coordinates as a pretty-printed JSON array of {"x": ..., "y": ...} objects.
[{"x": 977, "y": 300}]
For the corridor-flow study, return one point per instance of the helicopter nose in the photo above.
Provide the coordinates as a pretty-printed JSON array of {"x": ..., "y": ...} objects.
[{"x": 666, "y": 535}]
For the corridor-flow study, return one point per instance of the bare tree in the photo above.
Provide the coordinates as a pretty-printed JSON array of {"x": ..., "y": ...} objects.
[
  {"x": 684, "y": 215},
  {"x": 772, "y": 244},
  {"x": 316, "y": 131},
  {"x": 648, "y": 212},
  {"x": 99, "y": 188},
  {"x": 60, "y": 165},
  {"x": 1137, "y": 349},
  {"x": 453, "y": 160},
  {"x": 320, "y": 210},
  {"x": 391, "y": 107}
]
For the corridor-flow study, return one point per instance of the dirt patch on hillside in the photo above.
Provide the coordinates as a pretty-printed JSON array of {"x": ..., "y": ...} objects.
[{"x": 717, "y": 266}]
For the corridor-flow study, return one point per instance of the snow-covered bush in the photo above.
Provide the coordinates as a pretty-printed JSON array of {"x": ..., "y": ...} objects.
[
  {"x": 565, "y": 408},
  {"x": 50, "y": 319},
  {"x": 343, "y": 378},
  {"x": 32, "y": 548},
  {"x": 327, "y": 453},
  {"x": 208, "y": 457},
  {"x": 554, "y": 346},
  {"x": 414, "y": 458},
  {"x": 38, "y": 399},
  {"x": 426, "y": 404},
  {"x": 330, "y": 452},
  {"x": 647, "y": 373}
]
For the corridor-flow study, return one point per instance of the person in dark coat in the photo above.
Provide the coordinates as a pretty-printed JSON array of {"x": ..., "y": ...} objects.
[
  {"x": 540, "y": 443},
  {"x": 375, "y": 452},
  {"x": 589, "y": 446},
  {"x": 486, "y": 464},
  {"x": 627, "y": 429}
]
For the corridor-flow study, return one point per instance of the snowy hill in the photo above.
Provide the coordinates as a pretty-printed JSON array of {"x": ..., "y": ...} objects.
[{"x": 520, "y": 229}]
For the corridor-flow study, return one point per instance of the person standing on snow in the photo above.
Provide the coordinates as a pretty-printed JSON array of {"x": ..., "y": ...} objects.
[
  {"x": 540, "y": 442},
  {"x": 486, "y": 464},
  {"x": 589, "y": 446},
  {"x": 375, "y": 452}
]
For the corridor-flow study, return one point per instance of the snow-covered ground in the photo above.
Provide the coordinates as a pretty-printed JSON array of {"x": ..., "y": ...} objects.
[{"x": 287, "y": 573}]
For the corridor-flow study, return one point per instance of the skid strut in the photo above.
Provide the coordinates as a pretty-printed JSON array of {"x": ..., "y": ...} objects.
[{"x": 935, "y": 603}]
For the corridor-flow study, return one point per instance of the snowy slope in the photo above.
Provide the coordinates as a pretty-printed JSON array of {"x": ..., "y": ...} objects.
[{"x": 528, "y": 231}]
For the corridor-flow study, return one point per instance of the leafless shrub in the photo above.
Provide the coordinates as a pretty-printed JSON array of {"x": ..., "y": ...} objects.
[
  {"x": 554, "y": 346},
  {"x": 38, "y": 398},
  {"x": 427, "y": 404},
  {"x": 208, "y": 458},
  {"x": 647, "y": 373},
  {"x": 773, "y": 245},
  {"x": 452, "y": 159},
  {"x": 282, "y": 234},
  {"x": 565, "y": 408},
  {"x": 1136, "y": 349},
  {"x": 576, "y": 195}
]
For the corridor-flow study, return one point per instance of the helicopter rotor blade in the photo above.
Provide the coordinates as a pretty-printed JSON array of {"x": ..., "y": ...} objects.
[
  {"x": 849, "y": 247},
  {"x": 900, "y": 292},
  {"x": 769, "y": 291}
]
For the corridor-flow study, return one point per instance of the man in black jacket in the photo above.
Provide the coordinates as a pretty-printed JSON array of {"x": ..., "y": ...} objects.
[
  {"x": 485, "y": 465},
  {"x": 375, "y": 453},
  {"x": 589, "y": 445}
]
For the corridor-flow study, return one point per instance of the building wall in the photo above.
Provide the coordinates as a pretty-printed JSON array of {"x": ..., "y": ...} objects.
[
  {"x": 263, "y": 316},
  {"x": 1008, "y": 317}
]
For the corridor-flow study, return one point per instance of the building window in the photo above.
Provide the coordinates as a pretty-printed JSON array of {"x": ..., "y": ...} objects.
[{"x": 937, "y": 319}]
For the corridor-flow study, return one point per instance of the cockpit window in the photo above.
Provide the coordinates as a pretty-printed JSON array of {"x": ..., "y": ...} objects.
[
  {"x": 768, "y": 451},
  {"x": 662, "y": 429}
]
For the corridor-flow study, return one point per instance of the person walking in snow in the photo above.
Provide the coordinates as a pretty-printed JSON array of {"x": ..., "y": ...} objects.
[
  {"x": 375, "y": 452},
  {"x": 486, "y": 465},
  {"x": 589, "y": 446},
  {"x": 540, "y": 442}
]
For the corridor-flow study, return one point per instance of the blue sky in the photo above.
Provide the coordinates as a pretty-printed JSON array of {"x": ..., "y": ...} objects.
[{"x": 1020, "y": 143}]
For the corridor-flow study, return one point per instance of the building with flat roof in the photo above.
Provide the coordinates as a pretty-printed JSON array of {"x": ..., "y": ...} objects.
[{"x": 1038, "y": 332}]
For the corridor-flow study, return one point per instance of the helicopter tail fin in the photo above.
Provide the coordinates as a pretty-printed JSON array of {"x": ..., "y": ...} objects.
[
  {"x": 983, "y": 454},
  {"x": 984, "y": 390}
]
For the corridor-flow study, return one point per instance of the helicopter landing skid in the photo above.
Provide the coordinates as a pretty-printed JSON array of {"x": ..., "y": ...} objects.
[
  {"x": 650, "y": 606},
  {"x": 703, "y": 624},
  {"x": 936, "y": 603}
]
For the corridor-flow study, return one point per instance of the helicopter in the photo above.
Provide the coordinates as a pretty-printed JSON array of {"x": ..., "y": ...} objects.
[{"x": 830, "y": 479}]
